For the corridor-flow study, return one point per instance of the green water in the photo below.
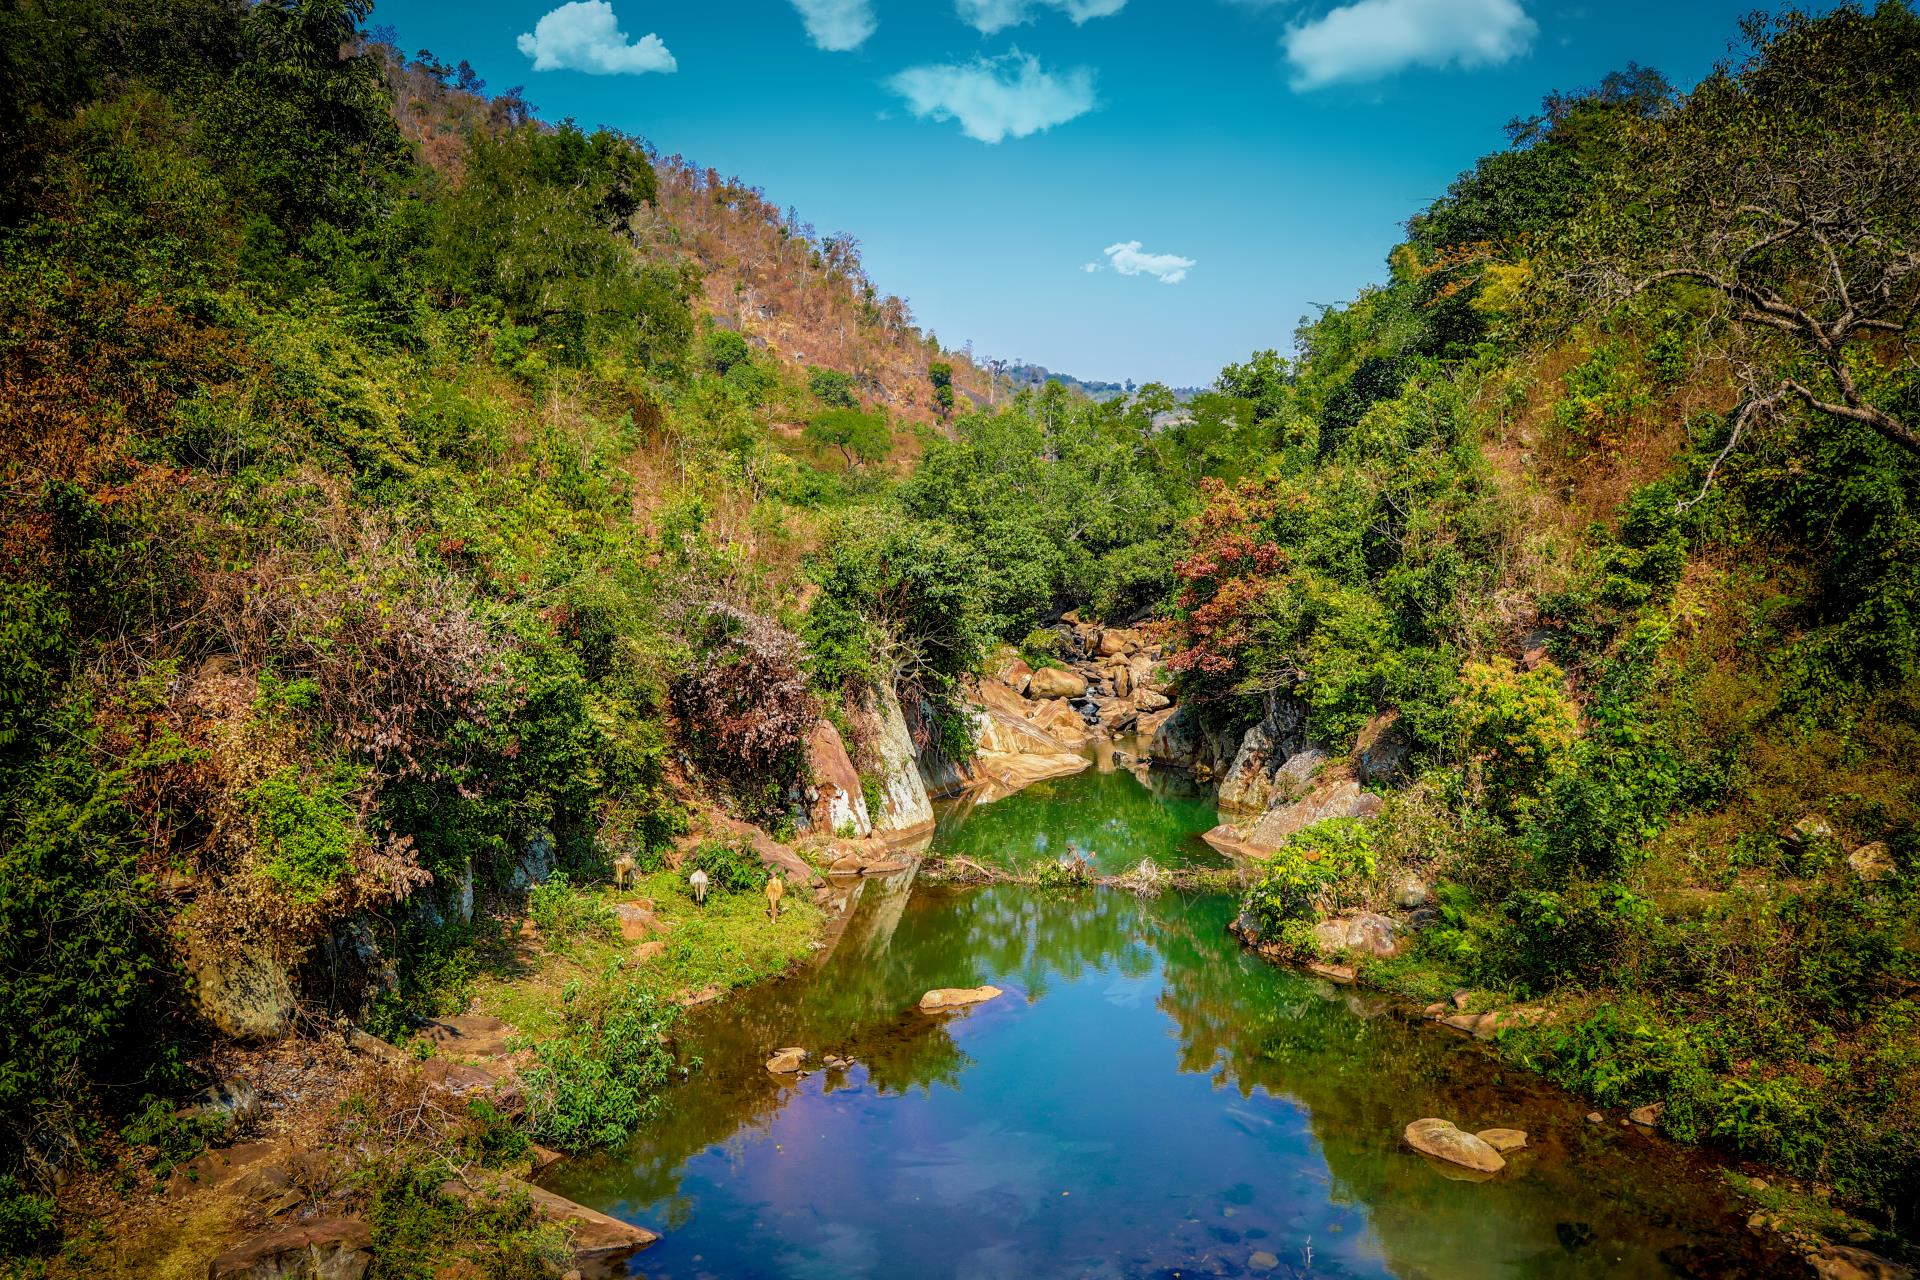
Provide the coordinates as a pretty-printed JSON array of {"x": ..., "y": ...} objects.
[
  {"x": 1146, "y": 1099},
  {"x": 1106, "y": 814}
]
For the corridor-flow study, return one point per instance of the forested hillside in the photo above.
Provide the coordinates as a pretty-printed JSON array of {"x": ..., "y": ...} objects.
[{"x": 397, "y": 490}]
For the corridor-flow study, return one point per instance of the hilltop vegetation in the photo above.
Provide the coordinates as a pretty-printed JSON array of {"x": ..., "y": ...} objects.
[
  {"x": 1608, "y": 494},
  {"x": 395, "y": 488}
]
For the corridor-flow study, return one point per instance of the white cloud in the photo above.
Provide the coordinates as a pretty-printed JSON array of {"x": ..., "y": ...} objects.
[
  {"x": 837, "y": 24},
  {"x": 996, "y": 98},
  {"x": 1373, "y": 38},
  {"x": 989, "y": 16},
  {"x": 585, "y": 36},
  {"x": 1091, "y": 267},
  {"x": 1128, "y": 260}
]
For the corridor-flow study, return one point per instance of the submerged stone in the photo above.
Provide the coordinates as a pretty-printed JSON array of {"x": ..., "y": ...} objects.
[{"x": 1503, "y": 1140}]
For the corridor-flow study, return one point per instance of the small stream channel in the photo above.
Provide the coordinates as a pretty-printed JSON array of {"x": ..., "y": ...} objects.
[{"x": 1148, "y": 1099}]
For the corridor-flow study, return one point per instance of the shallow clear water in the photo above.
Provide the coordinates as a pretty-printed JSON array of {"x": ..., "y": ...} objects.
[{"x": 1146, "y": 1099}]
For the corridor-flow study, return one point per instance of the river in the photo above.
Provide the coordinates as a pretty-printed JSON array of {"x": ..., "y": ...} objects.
[{"x": 1147, "y": 1099}]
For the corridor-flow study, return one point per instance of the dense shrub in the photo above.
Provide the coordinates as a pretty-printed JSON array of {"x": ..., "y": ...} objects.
[
  {"x": 731, "y": 866},
  {"x": 744, "y": 707},
  {"x": 598, "y": 1080},
  {"x": 564, "y": 914},
  {"x": 1307, "y": 875}
]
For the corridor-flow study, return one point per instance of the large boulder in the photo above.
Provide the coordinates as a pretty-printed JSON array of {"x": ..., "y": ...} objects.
[
  {"x": 1118, "y": 641},
  {"x": 535, "y": 864},
  {"x": 1844, "y": 1262},
  {"x": 1443, "y": 1140},
  {"x": 323, "y": 1249},
  {"x": 1182, "y": 741},
  {"x": 1335, "y": 796},
  {"x": 1367, "y": 934},
  {"x": 1056, "y": 682},
  {"x": 240, "y": 987},
  {"x": 1059, "y": 720},
  {"x": 1873, "y": 862},
  {"x": 842, "y": 805}
]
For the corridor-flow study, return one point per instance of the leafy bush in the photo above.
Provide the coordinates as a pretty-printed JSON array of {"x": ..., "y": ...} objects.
[
  {"x": 176, "y": 1136},
  {"x": 1306, "y": 873},
  {"x": 490, "y": 1138},
  {"x": 418, "y": 1227},
  {"x": 731, "y": 866},
  {"x": 306, "y": 829},
  {"x": 565, "y": 914},
  {"x": 831, "y": 387},
  {"x": 598, "y": 1080},
  {"x": 744, "y": 707},
  {"x": 76, "y": 955},
  {"x": 27, "y": 1220},
  {"x": 1517, "y": 729}
]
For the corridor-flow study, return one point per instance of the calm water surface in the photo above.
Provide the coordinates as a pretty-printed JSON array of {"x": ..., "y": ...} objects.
[{"x": 1146, "y": 1100}]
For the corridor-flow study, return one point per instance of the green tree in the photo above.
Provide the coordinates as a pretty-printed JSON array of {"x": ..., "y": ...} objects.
[
  {"x": 861, "y": 438},
  {"x": 940, "y": 374}
]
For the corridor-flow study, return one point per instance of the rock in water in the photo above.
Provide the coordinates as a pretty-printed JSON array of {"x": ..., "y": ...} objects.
[
  {"x": 1648, "y": 1115},
  {"x": 1443, "y": 1140},
  {"x": 785, "y": 1061},
  {"x": 956, "y": 997},
  {"x": 1503, "y": 1140}
]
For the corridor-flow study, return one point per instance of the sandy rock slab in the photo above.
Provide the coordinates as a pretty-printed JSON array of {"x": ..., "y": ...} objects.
[
  {"x": 324, "y": 1249},
  {"x": 942, "y": 998},
  {"x": 1444, "y": 1140}
]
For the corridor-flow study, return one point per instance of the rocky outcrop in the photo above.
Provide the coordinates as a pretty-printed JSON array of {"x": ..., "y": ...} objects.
[
  {"x": 1383, "y": 753},
  {"x": 1443, "y": 1140},
  {"x": 1182, "y": 741},
  {"x": 840, "y": 802},
  {"x": 535, "y": 864},
  {"x": 323, "y": 1249},
  {"x": 1337, "y": 794},
  {"x": 240, "y": 987},
  {"x": 904, "y": 803},
  {"x": 1267, "y": 767}
]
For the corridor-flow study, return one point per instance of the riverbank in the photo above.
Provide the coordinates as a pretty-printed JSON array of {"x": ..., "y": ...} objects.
[
  {"x": 1599, "y": 1050},
  {"x": 418, "y": 1148}
]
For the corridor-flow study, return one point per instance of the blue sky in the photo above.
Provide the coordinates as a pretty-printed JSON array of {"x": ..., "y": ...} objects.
[{"x": 1258, "y": 156}]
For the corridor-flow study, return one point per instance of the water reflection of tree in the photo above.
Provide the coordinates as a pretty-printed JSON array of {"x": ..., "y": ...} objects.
[
  {"x": 861, "y": 1003},
  {"x": 1244, "y": 1023},
  {"x": 1362, "y": 1073},
  {"x": 1110, "y": 816}
]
